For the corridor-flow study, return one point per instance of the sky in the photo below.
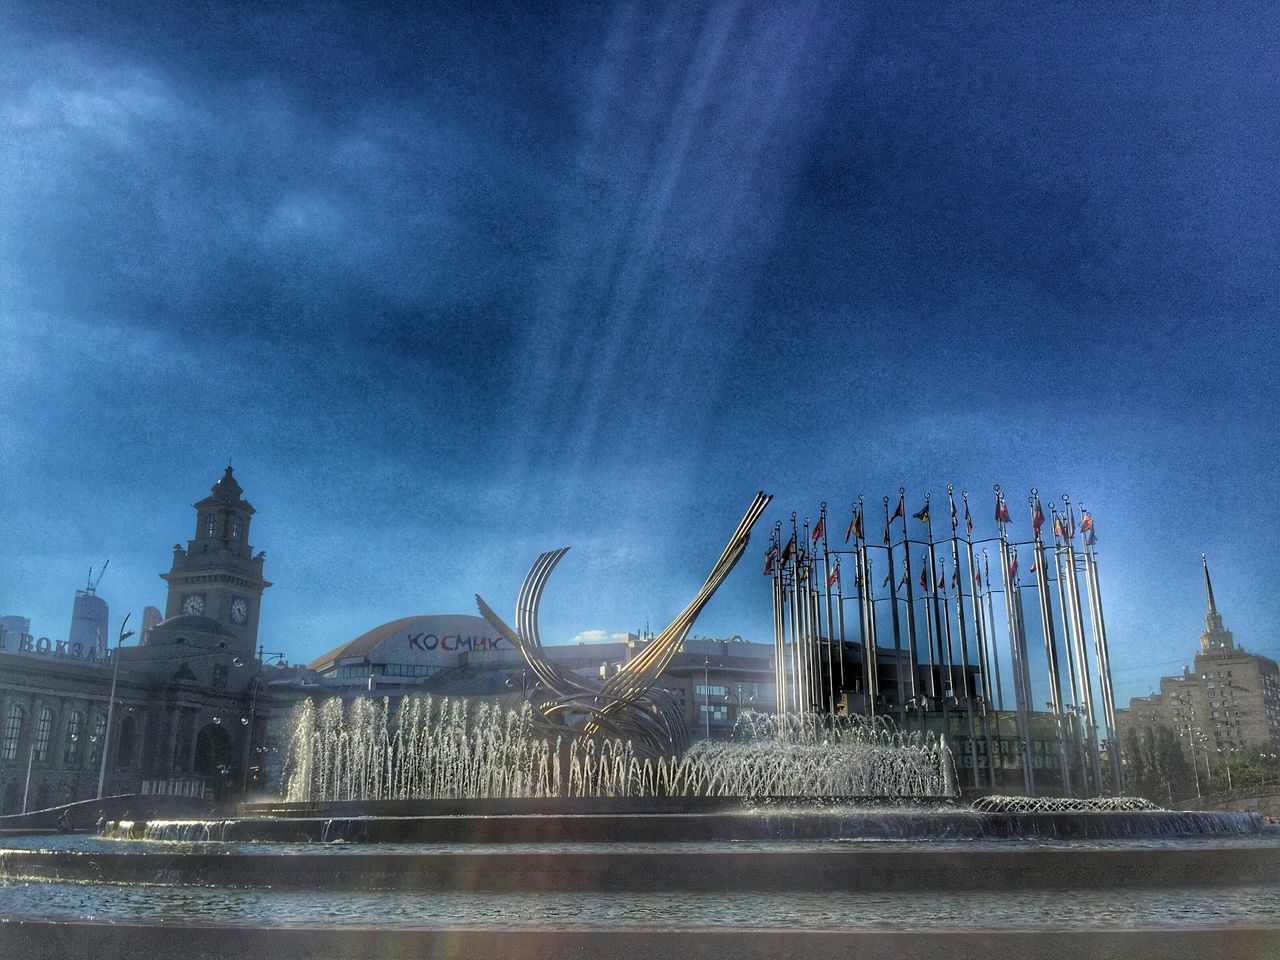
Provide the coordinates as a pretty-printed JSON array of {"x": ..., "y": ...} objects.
[{"x": 453, "y": 286}]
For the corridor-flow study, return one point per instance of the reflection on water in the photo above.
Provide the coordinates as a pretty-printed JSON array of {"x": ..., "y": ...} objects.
[{"x": 1146, "y": 908}]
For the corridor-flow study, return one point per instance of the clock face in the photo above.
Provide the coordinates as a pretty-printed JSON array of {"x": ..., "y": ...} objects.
[
  {"x": 239, "y": 610},
  {"x": 193, "y": 604}
]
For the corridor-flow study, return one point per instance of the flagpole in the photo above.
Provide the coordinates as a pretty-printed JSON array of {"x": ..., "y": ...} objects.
[
  {"x": 897, "y": 631},
  {"x": 840, "y": 627},
  {"x": 993, "y": 649},
  {"x": 979, "y": 639},
  {"x": 1104, "y": 654},
  {"x": 779, "y": 652},
  {"x": 866, "y": 609},
  {"x": 913, "y": 640},
  {"x": 936, "y": 626},
  {"x": 1077, "y": 620},
  {"x": 826, "y": 591},
  {"x": 1050, "y": 640},
  {"x": 1017, "y": 648},
  {"x": 964, "y": 637},
  {"x": 1073, "y": 656},
  {"x": 797, "y": 704}
]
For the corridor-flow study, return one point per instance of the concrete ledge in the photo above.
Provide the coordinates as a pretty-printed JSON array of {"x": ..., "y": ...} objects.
[
  {"x": 826, "y": 868},
  {"x": 36, "y": 940}
]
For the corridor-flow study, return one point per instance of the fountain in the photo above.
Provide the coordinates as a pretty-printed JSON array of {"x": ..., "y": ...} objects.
[{"x": 586, "y": 822}]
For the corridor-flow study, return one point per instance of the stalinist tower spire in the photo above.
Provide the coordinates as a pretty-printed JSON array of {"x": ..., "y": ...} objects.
[{"x": 1215, "y": 636}]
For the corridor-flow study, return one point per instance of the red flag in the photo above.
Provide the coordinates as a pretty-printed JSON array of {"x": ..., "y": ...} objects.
[
  {"x": 1037, "y": 518},
  {"x": 900, "y": 511},
  {"x": 820, "y": 528},
  {"x": 942, "y": 580},
  {"x": 924, "y": 578},
  {"x": 770, "y": 558},
  {"x": 1086, "y": 527},
  {"x": 1058, "y": 529},
  {"x": 835, "y": 575},
  {"x": 1013, "y": 567},
  {"x": 1033, "y": 566},
  {"x": 1002, "y": 510},
  {"x": 968, "y": 520},
  {"x": 978, "y": 578},
  {"x": 955, "y": 578},
  {"x": 789, "y": 553}
]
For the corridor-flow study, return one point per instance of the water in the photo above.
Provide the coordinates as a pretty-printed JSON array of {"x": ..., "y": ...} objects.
[
  {"x": 442, "y": 749},
  {"x": 1166, "y": 908}
]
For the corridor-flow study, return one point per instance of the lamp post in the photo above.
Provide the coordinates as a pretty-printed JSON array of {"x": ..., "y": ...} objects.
[
  {"x": 111, "y": 705},
  {"x": 1195, "y": 764},
  {"x": 706, "y": 694},
  {"x": 253, "y": 712}
]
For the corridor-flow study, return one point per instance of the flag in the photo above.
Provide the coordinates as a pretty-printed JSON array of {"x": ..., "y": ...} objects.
[
  {"x": 1070, "y": 523},
  {"x": 978, "y": 579},
  {"x": 770, "y": 558},
  {"x": 968, "y": 520},
  {"x": 1013, "y": 567},
  {"x": 1032, "y": 568},
  {"x": 820, "y": 528},
  {"x": 1037, "y": 518},
  {"x": 955, "y": 578},
  {"x": 835, "y": 575},
  {"x": 855, "y": 526},
  {"x": 942, "y": 579},
  {"x": 1086, "y": 527},
  {"x": 886, "y": 580},
  {"x": 955, "y": 522},
  {"x": 1002, "y": 510},
  {"x": 924, "y": 579},
  {"x": 1058, "y": 529},
  {"x": 886, "y": 533},
  {"x": 902, "y": 582},
  {"x": 923, "y": 515},
  {"x": 900, "y": 510},
  {"x": 789, "y": 553}
]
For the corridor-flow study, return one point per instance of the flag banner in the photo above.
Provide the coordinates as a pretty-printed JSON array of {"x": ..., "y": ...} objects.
[
  {"x": 901, "y": 509},
  {"x": 1032, "y": 568},
  {"x": 923, "y": 515},
  {"x": 820, "y": 528},
  {"x": 1013, "y": 567},
  {"x": 789, "y": 553},
  {"x": 942, "y": 580},
  {"x": 770, "y": 559},
  {"x": 968, "y": 520},
  {"x": 1037, "y": 518},
  {"x": 1086, "y": 527},
  {"x": 886, "y": 580},
  {"x": 902, "y": 582},
  {"x": 855, "y": 526},
  {"x": 1058, "y": 530},
  {"x": 1071, "y": 523},
  {"x": 955, "y": 521},
  {"x": 835, "y": 575},
  {"x": 886, "y": 534},
  {"x": 977, "y": 578},
  {"x": 1002, "y": 510},
  {"x": 924, "y": 579},
  {"x": 955, "y": 578}
]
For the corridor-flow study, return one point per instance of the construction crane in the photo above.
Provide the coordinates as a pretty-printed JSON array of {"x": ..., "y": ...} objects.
[{"x": 91, "y": 587}]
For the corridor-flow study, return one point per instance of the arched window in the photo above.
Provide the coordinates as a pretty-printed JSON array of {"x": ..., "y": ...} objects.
[
  {"x": 95, "y": 738},
  {"x": 12, "y": 731},
  {"x": 237, "y": 528},
  {"x": 75, "y": 726},
  {"x": 44, "y": 730},
  {"x": 124, "y": 752},
  {"x": 210, "y": 525}
]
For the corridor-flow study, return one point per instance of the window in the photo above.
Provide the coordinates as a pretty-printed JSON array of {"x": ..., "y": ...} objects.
[
  {"x": 716, "y": 714},
  {"x": 210, "y": 525},
  {"x": 712, "y": 691},
  {"x": 237, "y": 528},
  {"x": 12, "y": 731},
  {"x": 71, "y": 747},
  {"x": 95, "y": 738},
  {"x": 44, "y": 730}
]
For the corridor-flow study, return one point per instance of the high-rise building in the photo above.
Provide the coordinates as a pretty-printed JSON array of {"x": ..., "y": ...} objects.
[
  {"x": 89, "y": 623},
  {"x": 1227, "y": 704},
  {"x": 150, "y": 617}
]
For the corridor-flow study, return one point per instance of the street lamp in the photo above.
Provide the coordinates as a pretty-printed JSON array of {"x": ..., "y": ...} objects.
[{"x": 111, "y": 704}]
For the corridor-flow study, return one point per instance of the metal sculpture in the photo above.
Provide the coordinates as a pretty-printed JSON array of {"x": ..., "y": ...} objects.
[{"x": 626, "y": 705}]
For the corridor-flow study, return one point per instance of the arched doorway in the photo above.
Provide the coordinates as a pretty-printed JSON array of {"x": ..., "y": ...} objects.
[{"x": 214, "y": 759}]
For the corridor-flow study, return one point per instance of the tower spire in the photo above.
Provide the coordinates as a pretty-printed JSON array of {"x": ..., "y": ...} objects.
[
  {"x": 1208, "y": 587},
  {"x": 1215, "y": 636}
]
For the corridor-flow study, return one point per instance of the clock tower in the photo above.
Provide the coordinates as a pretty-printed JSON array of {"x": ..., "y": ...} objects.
[{"x": 217, "y": 576}]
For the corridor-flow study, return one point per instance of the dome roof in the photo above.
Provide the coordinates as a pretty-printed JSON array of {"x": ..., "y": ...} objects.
[{"x": 192, "y": 623}]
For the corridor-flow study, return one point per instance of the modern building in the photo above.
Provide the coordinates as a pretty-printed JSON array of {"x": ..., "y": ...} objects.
[
  {"x": 12, "y": 630},
  {"x": 1227, "y": 703}
]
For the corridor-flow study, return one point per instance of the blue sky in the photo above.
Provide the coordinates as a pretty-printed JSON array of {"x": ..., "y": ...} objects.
[{"x": 453, "y": 287}]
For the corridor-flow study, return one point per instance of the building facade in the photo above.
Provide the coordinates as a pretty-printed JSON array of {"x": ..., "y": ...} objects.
[
  {"x": 1226, "y": 704},
  {"x": 176, "y": 713}
]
